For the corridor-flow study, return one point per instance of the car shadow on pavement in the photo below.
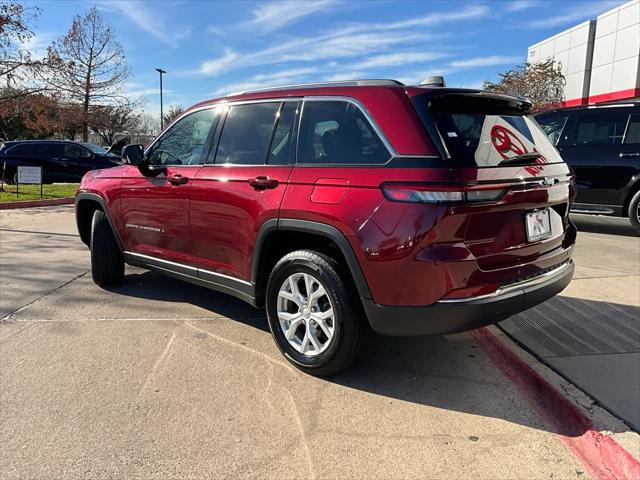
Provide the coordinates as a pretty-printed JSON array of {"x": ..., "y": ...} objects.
[
  {"x": 445, "y": 372},
  {"x": 604, "y": 225},
  {"x": 155, "y": 286}
]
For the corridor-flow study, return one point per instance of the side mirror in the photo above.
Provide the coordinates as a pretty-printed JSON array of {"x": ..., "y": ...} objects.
[{"x": 132, "y": 154}]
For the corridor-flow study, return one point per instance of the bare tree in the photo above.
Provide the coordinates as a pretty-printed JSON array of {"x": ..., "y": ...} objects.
[
  {"x": 174, "y": 112},
  {"x": 18, "y": 67},
  {"x": 94, "y": 66},
  {"x": 110, "y": 122},
  {"x": 542, "y": 83}
]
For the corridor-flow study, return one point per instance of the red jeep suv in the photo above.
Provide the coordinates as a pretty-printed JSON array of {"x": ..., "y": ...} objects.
[{"x": 344, "y": 208}]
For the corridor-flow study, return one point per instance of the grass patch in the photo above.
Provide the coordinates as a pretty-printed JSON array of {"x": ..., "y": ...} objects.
[{"x": 32, "y": 192}]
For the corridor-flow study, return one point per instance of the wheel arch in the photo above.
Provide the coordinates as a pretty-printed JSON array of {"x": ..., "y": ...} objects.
[
  {"x": 629, "y": 191},
  {"x": 86, "y": 204},
  {"x": 301, "y": 234}
]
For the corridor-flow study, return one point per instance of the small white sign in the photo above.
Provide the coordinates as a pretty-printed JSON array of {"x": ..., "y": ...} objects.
[{"x": 29, "y": 174}]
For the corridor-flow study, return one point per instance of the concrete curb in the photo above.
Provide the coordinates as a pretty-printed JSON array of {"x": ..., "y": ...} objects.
[
  {"x": 600, "y": 453},
  {"x": 36, "y": 203}
]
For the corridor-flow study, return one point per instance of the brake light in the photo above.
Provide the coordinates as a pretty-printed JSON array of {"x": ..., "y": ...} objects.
[{"x": 441, "y": 194}]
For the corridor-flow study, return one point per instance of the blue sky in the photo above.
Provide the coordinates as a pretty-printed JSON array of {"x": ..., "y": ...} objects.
[{"x": 212, "y": 48}]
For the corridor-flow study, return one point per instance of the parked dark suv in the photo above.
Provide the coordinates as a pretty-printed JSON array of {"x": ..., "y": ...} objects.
[
  {"x": 61, "y": 161},
  {"x": 344, "y": 208},
  {"x": 602, "y": 145}
]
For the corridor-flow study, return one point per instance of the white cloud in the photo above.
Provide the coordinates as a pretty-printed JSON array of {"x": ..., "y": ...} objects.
[
  {"x": 397, "y": 59},
  {"x": 518, "y": 5},
  {"x": 273, "y": 79},
  {"x": 37, "y": 44},
  {"x": 487, "y": 61},
  {"x": 361, "y": 39},
  {"x": 353, "y": 75},
  {"x": 474, "y": 11},
  {"x": 217, "y": 65},
  {"x": 274, "y": 15},
  {"x": 147, "y": 19},
  {"x": 580, "y": 11},
  {"x": 459, "y": 65}
]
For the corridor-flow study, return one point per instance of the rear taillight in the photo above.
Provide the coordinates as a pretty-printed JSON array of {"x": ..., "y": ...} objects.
[{"x": 413, "y": 193}]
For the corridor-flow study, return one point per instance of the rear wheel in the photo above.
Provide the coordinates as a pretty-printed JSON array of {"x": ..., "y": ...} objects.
[
  {"x": 634, "y": 212},
  {"x": 107, "y": 264},
  {"x": 314, "y": 317}
]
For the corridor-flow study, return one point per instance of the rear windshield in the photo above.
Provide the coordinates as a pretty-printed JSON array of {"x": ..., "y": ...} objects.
[{"x": 484, "y": 132}]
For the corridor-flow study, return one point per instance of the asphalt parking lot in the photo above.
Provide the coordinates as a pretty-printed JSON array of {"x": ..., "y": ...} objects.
[{"x": 162, "y": 379}]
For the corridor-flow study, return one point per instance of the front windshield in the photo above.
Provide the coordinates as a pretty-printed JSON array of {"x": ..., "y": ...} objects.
[{"x": 97, "y": 149}]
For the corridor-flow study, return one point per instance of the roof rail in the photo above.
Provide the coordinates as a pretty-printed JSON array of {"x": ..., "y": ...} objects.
[{"x": 340, "y": 83}]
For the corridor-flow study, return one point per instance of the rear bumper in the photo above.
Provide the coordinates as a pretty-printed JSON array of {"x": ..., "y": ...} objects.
[{"x": 451, "y": 316}]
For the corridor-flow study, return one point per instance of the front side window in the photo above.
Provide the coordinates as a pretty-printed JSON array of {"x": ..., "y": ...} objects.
[
  {"x": 184, "y": 143},
  {"x": 246, "y": 134},
  {"x": 600, "y": 128},
  {"x": 552, "y": 125},
  {"x": 337, "y": 132}
]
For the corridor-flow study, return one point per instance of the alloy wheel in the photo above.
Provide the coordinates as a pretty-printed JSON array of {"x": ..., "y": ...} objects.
[{"x": 305, "y": 314}]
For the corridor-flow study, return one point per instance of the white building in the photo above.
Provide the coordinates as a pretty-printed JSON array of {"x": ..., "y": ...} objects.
[{"x": 600, "y": 58}]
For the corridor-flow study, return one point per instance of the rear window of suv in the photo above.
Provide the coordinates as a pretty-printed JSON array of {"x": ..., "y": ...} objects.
[{"x": 484, "y": 131}]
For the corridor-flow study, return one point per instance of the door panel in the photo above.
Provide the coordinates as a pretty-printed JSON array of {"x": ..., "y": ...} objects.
[
  {"x": 155, "y": 214},
  {"x": 232, "y": 199},
  {"x": 226, "y": 213},
  {"x": 155, "y": 207}
]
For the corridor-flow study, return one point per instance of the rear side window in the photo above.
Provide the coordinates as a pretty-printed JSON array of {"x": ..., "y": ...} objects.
[
  {"x": 632, "y": 135},
  {"x": 484, "y": 131},
  {"x": 600, "y": 128},
  {"x": 246, "y": 134},
  {"x": 552, "y": 125},
  {"x": 337, "y": 132}
]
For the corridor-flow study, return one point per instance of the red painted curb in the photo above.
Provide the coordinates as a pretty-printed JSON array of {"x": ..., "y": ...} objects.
[
  {"x": 36, "y": 203},
  {"x": 602, "y": 456}
]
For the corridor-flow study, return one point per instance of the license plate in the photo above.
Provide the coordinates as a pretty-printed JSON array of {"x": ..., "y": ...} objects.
[{"x": 538, "y": 225}]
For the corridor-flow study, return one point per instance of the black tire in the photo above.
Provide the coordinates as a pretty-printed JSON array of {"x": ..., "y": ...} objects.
[
  {"x": 107, "y": 264},
  {"x": 351, "y": 329},
  {"x": 10, "y": 178},
  {"x": 634, "y": 212}
]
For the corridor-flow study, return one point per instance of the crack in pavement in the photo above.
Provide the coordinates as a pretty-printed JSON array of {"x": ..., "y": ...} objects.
[{"x": 9, "y": 315}]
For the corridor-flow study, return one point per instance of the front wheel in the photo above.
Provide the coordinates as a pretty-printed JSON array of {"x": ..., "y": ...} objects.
[
  {"x": 634, "y": 212},
  {"x": 314, "y": 317},
  {"x": 107, "y": 264}
]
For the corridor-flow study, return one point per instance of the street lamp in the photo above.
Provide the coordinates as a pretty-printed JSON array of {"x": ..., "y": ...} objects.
[{"x": 161, "y": 71}]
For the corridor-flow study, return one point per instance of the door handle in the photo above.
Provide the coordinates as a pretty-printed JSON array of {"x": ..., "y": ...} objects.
[
  {"x": 262, "y": 183},
  {"x": 630, "y": 155},
  {"x": 178, "y": 179}
]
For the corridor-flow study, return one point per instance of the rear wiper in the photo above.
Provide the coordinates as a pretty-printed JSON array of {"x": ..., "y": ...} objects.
[{"x": 523, "y": 158}]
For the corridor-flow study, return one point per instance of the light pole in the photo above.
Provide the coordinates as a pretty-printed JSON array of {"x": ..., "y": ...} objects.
[{"x": 161, "y": 71}]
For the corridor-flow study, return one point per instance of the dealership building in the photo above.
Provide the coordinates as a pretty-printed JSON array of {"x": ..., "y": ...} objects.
[{"x": 600, "y": 59}]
